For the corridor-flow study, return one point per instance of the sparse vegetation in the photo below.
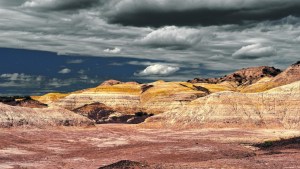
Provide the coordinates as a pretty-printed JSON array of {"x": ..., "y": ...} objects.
[
  {"x": 140, "y": 114},
  {"x": 282, "y": 143},
  {"x": 14, "y": 98},
  {"x": 267, "y": 144}
]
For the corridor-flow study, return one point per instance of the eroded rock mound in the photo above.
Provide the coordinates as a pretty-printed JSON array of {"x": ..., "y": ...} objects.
[
  {"x": 13, "y": 116},
  {"x": 126, "y": 164},
  {"x": 246, "y": 76},
  {"x": 130, "y": 97},
  {"x": 115, "y": 82},
  {"x": 95, "y": 111},
  {"x": 111, "y": 82},
  {"x": 22, "y": 102},
  {"x": 123, "y": 97},
  {"x": 103, "y": 114},
  {"x": 276, "y": 108}
]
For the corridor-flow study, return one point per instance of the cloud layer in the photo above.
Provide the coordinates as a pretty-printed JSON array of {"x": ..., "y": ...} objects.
[{"x": 218, "y": 35}]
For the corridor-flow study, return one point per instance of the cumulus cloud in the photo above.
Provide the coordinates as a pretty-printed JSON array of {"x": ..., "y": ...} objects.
[
  {"x": 173, "y": 37},
  {"x": 254, "y": 51},
  {"x": 113, "y": 51},
  {"x": 65, "y": 71},
  {"x": 158, "y": 69}
]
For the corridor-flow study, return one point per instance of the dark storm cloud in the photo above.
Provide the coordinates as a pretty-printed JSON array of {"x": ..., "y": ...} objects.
[
  {"x": 60, "y": 5},
  {"x": 206, "y": 12}
]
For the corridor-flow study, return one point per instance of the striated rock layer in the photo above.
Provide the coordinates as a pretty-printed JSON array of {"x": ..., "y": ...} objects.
[
  {"x": 13, "y": 116},
  {"x": 49, "y": 97},
  {"x": 276, "y": 108},
  {"x": 130, "y": 97},
  {"x": 161, "y": 96},
  {"x": 122, "y": 97}
]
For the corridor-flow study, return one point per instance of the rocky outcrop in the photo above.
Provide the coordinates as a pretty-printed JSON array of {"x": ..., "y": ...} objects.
[
  {"x": 276, "y": 108},
  {"x": 13, "y": 116},
  {"x": 246, "y": 76}
]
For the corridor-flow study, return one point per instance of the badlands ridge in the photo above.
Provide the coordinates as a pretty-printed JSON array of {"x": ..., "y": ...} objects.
[{"x": 256, "y": 97}]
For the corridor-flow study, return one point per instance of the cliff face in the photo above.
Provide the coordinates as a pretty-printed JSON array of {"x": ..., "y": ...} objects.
[
  {"x": 276, "y": 108},
  {"x": 13, "y": 116}
]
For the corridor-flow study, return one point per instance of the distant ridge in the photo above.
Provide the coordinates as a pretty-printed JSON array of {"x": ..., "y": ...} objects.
[{"x": 246, "y": 76}]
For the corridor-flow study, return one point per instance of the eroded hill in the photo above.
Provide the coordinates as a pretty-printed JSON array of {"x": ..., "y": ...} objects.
[{"x": 253, "y": 97}]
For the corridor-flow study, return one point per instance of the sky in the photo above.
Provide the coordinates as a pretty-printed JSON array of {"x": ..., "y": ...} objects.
[{"x": 62, "y": 46}]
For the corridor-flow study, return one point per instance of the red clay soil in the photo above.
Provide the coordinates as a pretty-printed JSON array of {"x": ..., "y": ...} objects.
[{"x": 118, "y": 146}]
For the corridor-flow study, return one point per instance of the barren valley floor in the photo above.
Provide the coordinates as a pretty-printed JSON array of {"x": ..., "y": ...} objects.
[{"x": 103, "y": 145}]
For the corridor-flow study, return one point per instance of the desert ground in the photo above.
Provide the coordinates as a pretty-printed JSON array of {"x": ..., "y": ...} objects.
[{"x": 103, "y": 145}]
